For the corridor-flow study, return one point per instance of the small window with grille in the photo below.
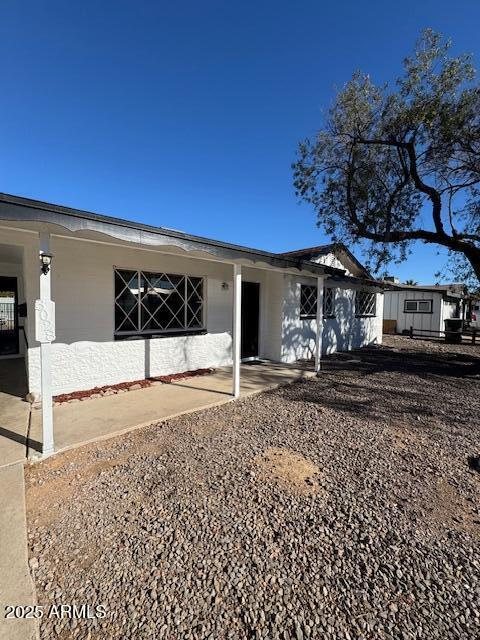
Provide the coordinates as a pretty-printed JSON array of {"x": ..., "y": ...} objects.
[
  {"x": 308, "y": 301},
  {"x": 365, "y": 303},
  {"x": 157, "y": 303},
  {"x": 329, "y": 302}
]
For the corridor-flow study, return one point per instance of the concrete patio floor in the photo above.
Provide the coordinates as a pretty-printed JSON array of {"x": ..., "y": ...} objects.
[
  {"x": 14, "y": 411},
  {"x": 100, "y": 418}
]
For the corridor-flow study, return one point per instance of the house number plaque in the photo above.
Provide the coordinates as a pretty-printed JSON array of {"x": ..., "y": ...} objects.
[{"x": 44, "y": 320}]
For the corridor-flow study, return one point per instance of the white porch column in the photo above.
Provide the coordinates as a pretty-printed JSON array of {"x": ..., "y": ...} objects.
[
  {"x": 237, "y": 327},
  {"x": 45, "y": 333},
  {"x": 319, "y": 334}
]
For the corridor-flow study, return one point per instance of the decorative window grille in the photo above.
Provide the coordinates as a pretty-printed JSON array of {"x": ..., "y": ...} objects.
[
  {"x": 418, "y": 306},
  {"x": 308, "y": 301},
  {"x": 329, "y": 302},
  {"x": 365, "y": 303},
  {"x": 149, "y": 303}
]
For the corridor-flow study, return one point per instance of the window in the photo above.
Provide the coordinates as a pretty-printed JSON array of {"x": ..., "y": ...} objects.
[
  {"x": 365, "y": 303},
  {"x": 418, "y": 306},
  {"x": 147, "y": 302},
  {"x": 308, "y": 301},
  {"x": 329, "y": 302}
]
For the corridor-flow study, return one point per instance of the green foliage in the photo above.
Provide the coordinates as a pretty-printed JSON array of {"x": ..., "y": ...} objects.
[{"x": 395, "y": 165}]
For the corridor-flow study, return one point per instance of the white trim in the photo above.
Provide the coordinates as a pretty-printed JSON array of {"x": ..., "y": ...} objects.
[
  {"x": 237, "y": 327},
  {"x": 35, "y": 233},
  {"x": 319, "y": 325},
  {"x": 45, "y": 357}
]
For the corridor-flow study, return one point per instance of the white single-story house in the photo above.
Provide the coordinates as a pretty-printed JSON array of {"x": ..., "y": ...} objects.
[
  {"x": 423, "y": 307},
  {"x": 101, "y": 300}
]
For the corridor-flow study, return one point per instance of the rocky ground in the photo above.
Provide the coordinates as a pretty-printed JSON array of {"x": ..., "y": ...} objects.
[{"x": 339, "y": 507}]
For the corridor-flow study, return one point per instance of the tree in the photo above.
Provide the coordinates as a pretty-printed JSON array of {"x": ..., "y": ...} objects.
[
  {"x": 393, "y": 166},
  {"x": 411, "y": 282}
]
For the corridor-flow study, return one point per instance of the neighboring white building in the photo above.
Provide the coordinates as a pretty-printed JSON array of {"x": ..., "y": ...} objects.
[
  {"x": 134, "y": 301},
  {"x": 423, "y": 307}
]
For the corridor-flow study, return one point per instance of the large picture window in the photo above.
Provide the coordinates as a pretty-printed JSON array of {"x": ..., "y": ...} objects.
[
  {"x": 365, "y": 303},
  {"x": 418, "y": 306},
  {"x": 308, "y": 301},
  {"x": 157, "y": 303}
]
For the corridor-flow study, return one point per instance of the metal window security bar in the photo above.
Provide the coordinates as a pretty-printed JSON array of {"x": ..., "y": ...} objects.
[
  {"x": 153, "y": 303},
  {"x": 329, "y": 302},
  {"x": 365, "y": 303},
  {"x": 308, "y": 301}
]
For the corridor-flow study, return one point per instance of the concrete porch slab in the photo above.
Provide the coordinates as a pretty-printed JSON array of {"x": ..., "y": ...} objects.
[
  {"x": 14, "y": 411},
  {"x": 91, "y": 420}
]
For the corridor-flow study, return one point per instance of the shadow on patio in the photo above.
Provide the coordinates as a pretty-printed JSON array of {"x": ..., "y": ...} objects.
[{"x": 14, "y": 411}]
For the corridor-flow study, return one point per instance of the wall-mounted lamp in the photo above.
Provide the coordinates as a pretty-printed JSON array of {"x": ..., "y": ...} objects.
[
  {"x": 45, "y": 261},
  {"x": 225, "y": 286}
]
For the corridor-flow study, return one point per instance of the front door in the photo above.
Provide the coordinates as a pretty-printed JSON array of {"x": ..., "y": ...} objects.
[
  {"x": 250, "y": 319},
  {"x": 8, "y": 316}
]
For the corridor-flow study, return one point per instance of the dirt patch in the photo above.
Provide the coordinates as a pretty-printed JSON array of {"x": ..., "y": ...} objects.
[
  {"x": 450, "y": 509},
  {"x": 405, "y": 439},
  {"x": 211, "y": 428},
  {"x": 43, "y": 501},
  {"x": 55, "y": 481},
  {"x": 289, "y": 469}
]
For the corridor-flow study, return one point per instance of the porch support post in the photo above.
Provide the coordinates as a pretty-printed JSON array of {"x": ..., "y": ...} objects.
[
  {"x": 319, "y": 334},
  {"x": 236, "y": 332},
  {"x": 45, "y": 354}
]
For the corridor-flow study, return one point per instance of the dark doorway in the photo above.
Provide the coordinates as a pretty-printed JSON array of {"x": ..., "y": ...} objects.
[
  {"x": 8, "y": 316},
  {"x": 250, "y": 319}
]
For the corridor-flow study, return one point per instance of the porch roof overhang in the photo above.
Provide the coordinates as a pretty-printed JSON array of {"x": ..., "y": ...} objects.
[
  {"x": 354, "y": 281},
  {"x": 25, "y": 210}
]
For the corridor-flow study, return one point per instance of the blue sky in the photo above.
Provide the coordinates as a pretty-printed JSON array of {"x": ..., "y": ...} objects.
[{"x": 188, "y": 114}]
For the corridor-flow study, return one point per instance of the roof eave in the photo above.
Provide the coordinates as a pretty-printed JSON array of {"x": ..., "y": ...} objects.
[{"x": 17, "y": 209}]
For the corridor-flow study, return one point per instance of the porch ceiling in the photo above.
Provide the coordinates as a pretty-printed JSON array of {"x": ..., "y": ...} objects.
[{"x": 10, "y": 254}]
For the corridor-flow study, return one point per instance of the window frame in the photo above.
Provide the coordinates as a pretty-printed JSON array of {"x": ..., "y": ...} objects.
[
  {"x": 308, "y": 316},
  {"x": 333, "y": 294},
  {"x": 359, "y": 292},
  {"x": 405, "y": 310},
  {"x": 160, "y": 333}
]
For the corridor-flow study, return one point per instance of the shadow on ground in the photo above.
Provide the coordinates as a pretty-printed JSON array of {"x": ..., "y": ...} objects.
[{"x": 383, "y": 383}]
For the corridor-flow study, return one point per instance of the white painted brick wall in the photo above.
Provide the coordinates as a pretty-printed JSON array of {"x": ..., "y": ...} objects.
[{"x": 88, "y": 364}]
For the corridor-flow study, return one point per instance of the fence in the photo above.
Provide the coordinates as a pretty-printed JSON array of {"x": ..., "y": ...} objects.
[{"x": 440, "y": 334}]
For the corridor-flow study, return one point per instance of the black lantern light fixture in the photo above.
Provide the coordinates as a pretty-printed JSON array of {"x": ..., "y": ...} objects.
[{"x": 45, "y": 261}]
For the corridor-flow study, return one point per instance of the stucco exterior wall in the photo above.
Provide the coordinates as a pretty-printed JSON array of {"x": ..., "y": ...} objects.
[
  {"x": 85, "y": 353},
  {"x": 395, "y": 305},
  {"x": 346, "y": 331},
  {"x": 343, "y": 332}
]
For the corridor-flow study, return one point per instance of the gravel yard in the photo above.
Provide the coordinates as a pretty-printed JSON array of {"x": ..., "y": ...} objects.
[{"x": 338, "y": 507}]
